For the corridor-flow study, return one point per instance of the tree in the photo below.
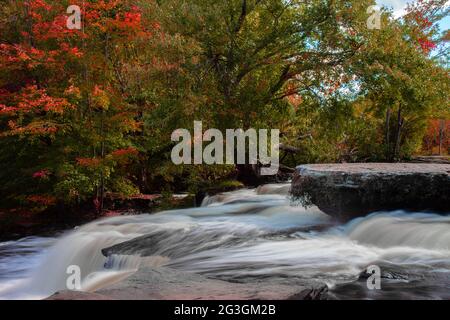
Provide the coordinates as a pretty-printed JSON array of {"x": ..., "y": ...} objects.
[
  {"x": 65, "y": 112},
  {"x": 86, "y": 113}
]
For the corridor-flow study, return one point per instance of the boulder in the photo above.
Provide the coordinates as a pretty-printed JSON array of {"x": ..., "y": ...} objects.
[{"x": 347, "y": 191}]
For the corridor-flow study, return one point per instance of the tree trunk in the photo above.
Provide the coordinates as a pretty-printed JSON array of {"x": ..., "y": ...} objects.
[
  {"x": 102, "y": 125},
  {"x": 441, "y": 135},
  {"x": 102, "y": 176},
  {"x": 400, "y": 122},
  {"x": 388, "y": 133}
]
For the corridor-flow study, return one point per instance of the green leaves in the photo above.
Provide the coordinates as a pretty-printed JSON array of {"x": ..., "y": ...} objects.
[{"x": 96, "y": 107}]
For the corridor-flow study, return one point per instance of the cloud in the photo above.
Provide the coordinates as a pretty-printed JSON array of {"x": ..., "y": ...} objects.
[{"x": 397, "y": 5}]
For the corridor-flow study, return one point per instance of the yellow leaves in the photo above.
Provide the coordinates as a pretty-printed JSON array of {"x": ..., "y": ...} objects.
[
  {"x": 35, "y": 128},
  {"x": 126, "y": 121},
  {"x": 12, "y": 124},
  {"x": 195, "y": 60},
  {"x": 73, "y": 91},
  {"x": 100, "y": 98},
  {"x": 89, "y": 162}
]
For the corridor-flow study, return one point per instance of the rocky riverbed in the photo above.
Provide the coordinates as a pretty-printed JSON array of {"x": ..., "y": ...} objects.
[
  {"x": 165, "y": 283},
  {"x": 245, "y": 244}
]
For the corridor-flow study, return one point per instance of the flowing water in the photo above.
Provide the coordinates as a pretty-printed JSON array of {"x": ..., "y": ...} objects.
[{"x": 243, "y": 236}]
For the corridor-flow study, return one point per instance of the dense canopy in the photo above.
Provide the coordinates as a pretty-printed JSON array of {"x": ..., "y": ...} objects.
[{"x": 90, "y": 111}]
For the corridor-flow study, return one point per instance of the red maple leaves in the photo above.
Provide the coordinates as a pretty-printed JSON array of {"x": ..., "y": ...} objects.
[
  {"x": 421, "y": 16},
  {"x": 426, "y": 44},
  {"x": 41, "y": 174}
]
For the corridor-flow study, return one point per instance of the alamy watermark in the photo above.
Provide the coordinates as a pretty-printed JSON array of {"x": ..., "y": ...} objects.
[
  {"x": 233, "y": 150},
  {"x": 374, "y": 20},
  {"x": 73, "y": 281},
  {"x": 74, "y": 19},
  {"x": 374, "y": 280}
]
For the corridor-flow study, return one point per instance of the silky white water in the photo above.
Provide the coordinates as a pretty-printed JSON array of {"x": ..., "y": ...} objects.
[{"x": 241, "y": 236}]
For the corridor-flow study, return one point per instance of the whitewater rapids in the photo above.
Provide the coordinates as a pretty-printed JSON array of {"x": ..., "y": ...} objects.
[{"x": 242, "y": 236}]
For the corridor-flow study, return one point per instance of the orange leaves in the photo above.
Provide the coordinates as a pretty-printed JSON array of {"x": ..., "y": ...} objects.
[
  {"x": 292, "y": 96},
  {"x": 48, "y": 22},
  {"x": 33, "y": 5},
  {"x": 73, "y": 91},
  {"x": 125, "y": 152},
  {"x": 46, "y": 41},
  {"x": 120, "y": 155},
  {"x": 18, "y": 56},
  {"x": 123, "y": 156},
  {"x": 54, "y": 29},
  {"x": 7, "y": 110},
  {"x": 49, "y": 70},
  {"x": 106, "y": 5},
  {"x": 36, "y": 128},
  {"x": 44, "y": 200},
  {"x": 129, "y": 20},
  {"x": 98, "y": 91},
  {"x": 88, "y": 162},
  {"x": 36, "y": 7},
  {"x": 100, "y": 98},
  {"x": 437, "y": 135},
  {"x": 156, "y": 25},
  {"x": 14, "y": 56},
  {"x": 33, "y": 99},
  {"x": 73, "y": 51},
  {"x": 27, "y": 107},
  {"x": 126, "y": 121},
  {"x": 115, "y": 18}
]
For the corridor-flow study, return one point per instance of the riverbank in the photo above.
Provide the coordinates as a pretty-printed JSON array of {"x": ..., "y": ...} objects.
[
  {"x": 20, "y": 223},
  {"x": 340, "y": 190}
]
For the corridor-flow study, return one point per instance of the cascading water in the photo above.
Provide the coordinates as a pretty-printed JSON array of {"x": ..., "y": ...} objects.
[{"x": 240, "y": 236}]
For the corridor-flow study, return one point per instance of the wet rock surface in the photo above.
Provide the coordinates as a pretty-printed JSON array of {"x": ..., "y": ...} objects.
[
  {"x": 165, "y": 283},
  {"x": 413, "y": 283},
  {"x": 347, "y": 191}
]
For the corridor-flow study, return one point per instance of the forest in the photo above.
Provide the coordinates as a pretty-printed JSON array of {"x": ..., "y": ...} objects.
[{"x": 87, "y": 113}]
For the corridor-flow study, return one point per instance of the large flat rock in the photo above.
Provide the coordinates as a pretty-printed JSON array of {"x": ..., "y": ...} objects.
[
  {"x": 169, "y": 284},
  {"x": 350, "y": 190}
]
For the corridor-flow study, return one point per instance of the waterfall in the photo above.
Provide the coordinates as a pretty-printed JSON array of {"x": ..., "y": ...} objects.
[{"x": 244, "y": 235}]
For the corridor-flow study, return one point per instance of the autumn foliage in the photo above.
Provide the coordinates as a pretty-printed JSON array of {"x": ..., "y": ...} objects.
[
  {"x": 437, "y": 138},
  {"x": 59, "y": 96},
  {"x": 88, "y": 112}
]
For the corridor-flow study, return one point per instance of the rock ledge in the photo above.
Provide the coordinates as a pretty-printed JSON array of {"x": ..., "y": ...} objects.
[
  {"x": 168, "y": 284},
  {"x": 350, "y": 190}
]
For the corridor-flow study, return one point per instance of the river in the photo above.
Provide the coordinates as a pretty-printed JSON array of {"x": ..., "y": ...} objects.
[{"x": 243, "y": 236}]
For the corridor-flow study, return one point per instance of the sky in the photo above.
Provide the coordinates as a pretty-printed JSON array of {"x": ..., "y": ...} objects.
[
  {"x": 397, "y": 5},
  {"x": 400, "y": 5}
]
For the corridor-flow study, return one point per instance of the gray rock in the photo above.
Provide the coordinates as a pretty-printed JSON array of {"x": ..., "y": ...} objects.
[
  {"x": 346, "y": 191},
  {"x": 398, "y": 282},
  {"x": 77, "y": 295},
  {"x": 169, "y": 284}
]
